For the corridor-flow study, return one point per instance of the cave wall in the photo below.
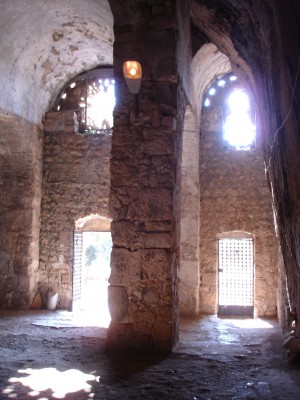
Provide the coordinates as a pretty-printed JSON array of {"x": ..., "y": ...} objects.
[
  {"x": 75, "y": 185},
  {"x": 20, "y": 196}
]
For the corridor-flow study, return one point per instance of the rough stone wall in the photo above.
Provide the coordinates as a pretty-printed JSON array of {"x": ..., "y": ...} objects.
[
  {"x": 265, "y": 36},
  {"x": 20, "y": 195},
  {"x": 282, "y": 145},
  {"x": 144, "y": 173},
  {"x": 75, "y": 185},
  {"x": 234, "y": 197}
]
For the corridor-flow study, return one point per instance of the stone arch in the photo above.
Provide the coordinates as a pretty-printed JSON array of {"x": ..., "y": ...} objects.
[
  {"x": 207, "y": 64},
  {"x": 93, "y": 222},
  {"x": 235, "y": 235}
]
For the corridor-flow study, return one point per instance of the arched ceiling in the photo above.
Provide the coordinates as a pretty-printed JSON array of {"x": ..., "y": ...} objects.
[
  {"x": 208, "y": 64},
  {"x": 44, "y": 44},
  {"x": 241, "y": 30}
]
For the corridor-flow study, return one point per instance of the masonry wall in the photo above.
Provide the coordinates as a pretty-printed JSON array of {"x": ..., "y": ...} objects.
[
  {"x": 20, "y": 196},
  {"x": 75, "y": 185},
  {"x": 144, "y": 195},
  {"x": 234, "y": 197}
]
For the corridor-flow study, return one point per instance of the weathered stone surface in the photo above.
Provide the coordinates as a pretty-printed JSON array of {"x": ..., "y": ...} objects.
[
  {"x": 150, "y": 296},
  {"x": 234, "y": 197},
  {"x": 189, "y": 224},
  {"x": 75, "y": 185},
  {"x": 37, "y": 303},
  {"x": 118, "y": 303},
  {"x": 158, "y": 34},
  {"x": 20, "y": 195}
]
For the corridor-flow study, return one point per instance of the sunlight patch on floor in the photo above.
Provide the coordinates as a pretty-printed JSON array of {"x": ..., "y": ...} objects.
[
  {"x": 65, "y": 319},
  {"x": 253, "y": 323},
  {"x": 60, "y": 383}
]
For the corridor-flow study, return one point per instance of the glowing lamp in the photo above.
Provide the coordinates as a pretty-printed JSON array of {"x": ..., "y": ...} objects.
[{"x": 132, "y": 71}]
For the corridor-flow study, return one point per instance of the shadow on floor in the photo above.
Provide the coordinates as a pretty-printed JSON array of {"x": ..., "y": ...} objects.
[{"x": 49, "y": 355}]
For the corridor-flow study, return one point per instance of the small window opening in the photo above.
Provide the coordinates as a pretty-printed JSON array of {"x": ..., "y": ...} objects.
[
  {"x": 91, "y": 96},
  {"x": 239, "y": 129},
  {"x": 238, "y": 117}
]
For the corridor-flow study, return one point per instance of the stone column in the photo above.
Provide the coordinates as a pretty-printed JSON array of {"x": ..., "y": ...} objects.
[
  {"x": 144, "y": 187},
  {"x": 190, "y": 210}
]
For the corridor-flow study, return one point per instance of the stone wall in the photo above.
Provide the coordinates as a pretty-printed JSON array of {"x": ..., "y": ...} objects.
[
  {"x": 75, "y": 185},
  {"x": 273, "y": 73},
  {"x": 143, "y": 295},
  {"x": 282, "y": 144},
  {"x": 20, "y": 195},
  {"x": 234, "y": 197}
]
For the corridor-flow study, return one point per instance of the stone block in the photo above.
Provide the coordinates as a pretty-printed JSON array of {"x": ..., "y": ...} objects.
[
  {"x": 163, "y": 331},
  {"x": 118, "y": 303},
  {"x": 66, "y": 278},
  {"x": 151, "y": 204},
  {"x": 123, "y": 337},
  {"x": 157, "y": 240},
  {"x": 150, "y": 296},
  {"x": 54, "y": 122}
]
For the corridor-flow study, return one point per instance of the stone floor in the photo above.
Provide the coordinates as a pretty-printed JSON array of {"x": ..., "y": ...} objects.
[{"x": 55, "y": 355}]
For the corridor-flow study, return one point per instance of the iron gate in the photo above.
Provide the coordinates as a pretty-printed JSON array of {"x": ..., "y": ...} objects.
[
  {"x": 236, "y": 273},
  {"x": 77, "y": 271}
]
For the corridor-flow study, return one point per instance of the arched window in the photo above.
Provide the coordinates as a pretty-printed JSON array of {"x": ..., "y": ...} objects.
[
  {"x": 92, "y": 96},
  {"x": 238, "y": 116}
]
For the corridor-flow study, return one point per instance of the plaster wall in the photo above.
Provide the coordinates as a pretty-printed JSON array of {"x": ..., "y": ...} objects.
[{"x": 52, "y": 42}]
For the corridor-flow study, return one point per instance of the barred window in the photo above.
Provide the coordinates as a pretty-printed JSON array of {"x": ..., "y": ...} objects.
[
  {"x": 92, "y": 96},
  {"x": 238, "y": 117}
]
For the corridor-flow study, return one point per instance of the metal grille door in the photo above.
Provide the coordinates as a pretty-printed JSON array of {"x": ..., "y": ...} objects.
[
  {"x": 77, "y": 265},
  {"x": 236, "y": 273}
]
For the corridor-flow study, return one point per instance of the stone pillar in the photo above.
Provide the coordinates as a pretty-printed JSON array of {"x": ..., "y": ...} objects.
[
  {"x": 190, "y": 210},
  {"x": 144, "y": 187}
]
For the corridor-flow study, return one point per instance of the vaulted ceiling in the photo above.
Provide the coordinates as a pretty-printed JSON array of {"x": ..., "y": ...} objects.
[{"x": 44, "y": 44}]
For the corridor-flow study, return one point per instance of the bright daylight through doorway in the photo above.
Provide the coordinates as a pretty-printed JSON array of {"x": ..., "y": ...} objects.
[{"x": 95, "y": 271}]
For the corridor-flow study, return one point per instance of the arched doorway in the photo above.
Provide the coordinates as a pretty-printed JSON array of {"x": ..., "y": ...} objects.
[
  {"x": 91, "y": 266},
  {"x": 236, "y": 274}
]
